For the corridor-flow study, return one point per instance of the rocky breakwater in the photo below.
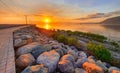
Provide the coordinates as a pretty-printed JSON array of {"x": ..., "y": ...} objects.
[{"x": 35, "y": 53}]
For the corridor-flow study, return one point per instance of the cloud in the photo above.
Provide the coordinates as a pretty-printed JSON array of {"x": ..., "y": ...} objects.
[
  {"x": 41, "y": 8},
  {"x": 100, "y": 15}
]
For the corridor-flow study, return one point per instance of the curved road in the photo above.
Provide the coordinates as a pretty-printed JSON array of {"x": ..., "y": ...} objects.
[{"x": 7, "y": 61}]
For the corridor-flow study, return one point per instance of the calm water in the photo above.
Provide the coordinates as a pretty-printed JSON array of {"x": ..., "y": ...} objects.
[{"x": 112, "y": 32}]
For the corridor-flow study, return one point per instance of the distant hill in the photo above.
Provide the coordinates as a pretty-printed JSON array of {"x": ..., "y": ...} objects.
[{"x": 114, "y": 20}]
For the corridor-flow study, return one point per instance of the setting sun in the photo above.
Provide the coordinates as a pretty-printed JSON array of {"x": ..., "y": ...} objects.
[{"x": 46, "y": 20}]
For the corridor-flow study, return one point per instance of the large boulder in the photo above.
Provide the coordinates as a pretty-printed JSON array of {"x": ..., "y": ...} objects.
[
  {"x": 64, "y": 50},
  {"x": 65, "y": 66},
  {"x": 68, "y": 57},
  {"x": 27, "y": 48},
  {"x": 83, "y": 44},
  {"x": 24, "y": 60},
  {"x": 99, "y": 63},
  {"x": 55, "y": 44},
  {"x": 19, "y": 42},
  {"x": 114, "y": 70},
  {"x": 107, "y": 64},
  {"x": 92, "y": 68},
  {"x": 80, "y": 62},
  {"x": 73, "y": 53},
  {"x": 60, "y": 51},
  {"x": 17, "y": 35},
  {"x": 47, "y": 47},
  {"x": 80, "y": 70},
  {"x": 67, "y": 47},
  {"x": 49, "y": 59},
  {"x": 37, "y": 51},
  {"x": 91, "y": 59},
  {"x": 35, "y": 69},
  {"x": 25, "y": 37},
  {"x": 74, "y": 48},
  {"x": 81, "y": 54}
]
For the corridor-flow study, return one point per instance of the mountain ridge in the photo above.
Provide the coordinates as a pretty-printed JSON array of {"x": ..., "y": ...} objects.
[{"x": 113, "y": 20}]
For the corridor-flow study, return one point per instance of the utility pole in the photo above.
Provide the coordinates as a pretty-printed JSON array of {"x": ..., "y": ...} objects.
[{"x": 26, "y": 19}]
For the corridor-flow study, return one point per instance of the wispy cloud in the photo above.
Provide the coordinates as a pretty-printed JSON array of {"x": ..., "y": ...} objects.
[
  {"x": 100, "y": 15},
  {"x": 52, "y": 8}
]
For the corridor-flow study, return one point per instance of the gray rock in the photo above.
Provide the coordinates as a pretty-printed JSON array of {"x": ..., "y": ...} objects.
[
  {"x": 107, "y": 64},
  {"x": 81, "y": 54},
  {"x": 47, "y": 47},
  {"x": 65, "y": 66},
  {"x": 25, "y": 37},
  {"x": 64, "y": 50},
  {"x": 114, "y": 70},
  {"x": 37, "y": 51},
  {"x": 55, "y": 44},
  {"x": 99, "y": 63},
  {"x": 60, "y": 51},
  {"x": 52, "y": 42},
  {"x": 35, "y": 69},
  {"x": 91, "y": 57},
  {"x": 91, "y": 60},
  {"x": 73, "y": 48},
  {"x": 19, "y": 42},
  {"x": 68, "y": 47},
  {"x": 27, "y": 48},
  {"x": 16, "y": 36},
  {"x": 80, "y": 62},
  {"x": 25, "y": 60},
  {"x": 79, "y": 70},
  {"x": 49, "y": 59},
  {"x": 83, "y": 44},
  {"x": 62, "y": 44},
  {"x": 68, "y": 57},
  {"x": 73, "y": 53}
]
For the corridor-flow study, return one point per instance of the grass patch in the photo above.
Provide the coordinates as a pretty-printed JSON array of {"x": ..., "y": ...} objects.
[
  {"x": 65, "y": 39},
  {"x": 72, "y": 41},
  {"x": 92, "y": 36},
  {"x": 100, "y": 51}
]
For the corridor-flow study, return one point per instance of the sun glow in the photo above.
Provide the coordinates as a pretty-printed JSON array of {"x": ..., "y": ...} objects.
[
  {"x": 47, "y": 20},
  {"x": 47, "y": 26}
]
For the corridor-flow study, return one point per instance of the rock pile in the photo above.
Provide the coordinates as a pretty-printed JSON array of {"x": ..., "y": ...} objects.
[{"x": 35, "y": 53}]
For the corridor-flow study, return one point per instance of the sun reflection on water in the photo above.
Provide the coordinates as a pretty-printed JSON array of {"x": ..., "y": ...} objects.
[{"x": 47, "y": 26}]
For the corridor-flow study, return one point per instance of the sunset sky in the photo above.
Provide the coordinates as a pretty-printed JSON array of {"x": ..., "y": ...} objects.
[{"x": 13, "y": 11}]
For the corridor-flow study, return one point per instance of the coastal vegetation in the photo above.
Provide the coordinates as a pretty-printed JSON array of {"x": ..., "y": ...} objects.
[
  {"x": 88, "y": 35},
  {"x": 100, "y": 51},
  {"x": 65, "y": 39}
]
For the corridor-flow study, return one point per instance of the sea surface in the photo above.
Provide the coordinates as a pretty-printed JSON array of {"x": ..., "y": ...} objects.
[{"x": 110, "y": 31}]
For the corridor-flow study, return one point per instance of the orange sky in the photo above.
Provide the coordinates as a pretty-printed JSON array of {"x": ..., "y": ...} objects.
[
  {"x": 78, "y": 11},
  {"x": 38, "y": 19}
]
